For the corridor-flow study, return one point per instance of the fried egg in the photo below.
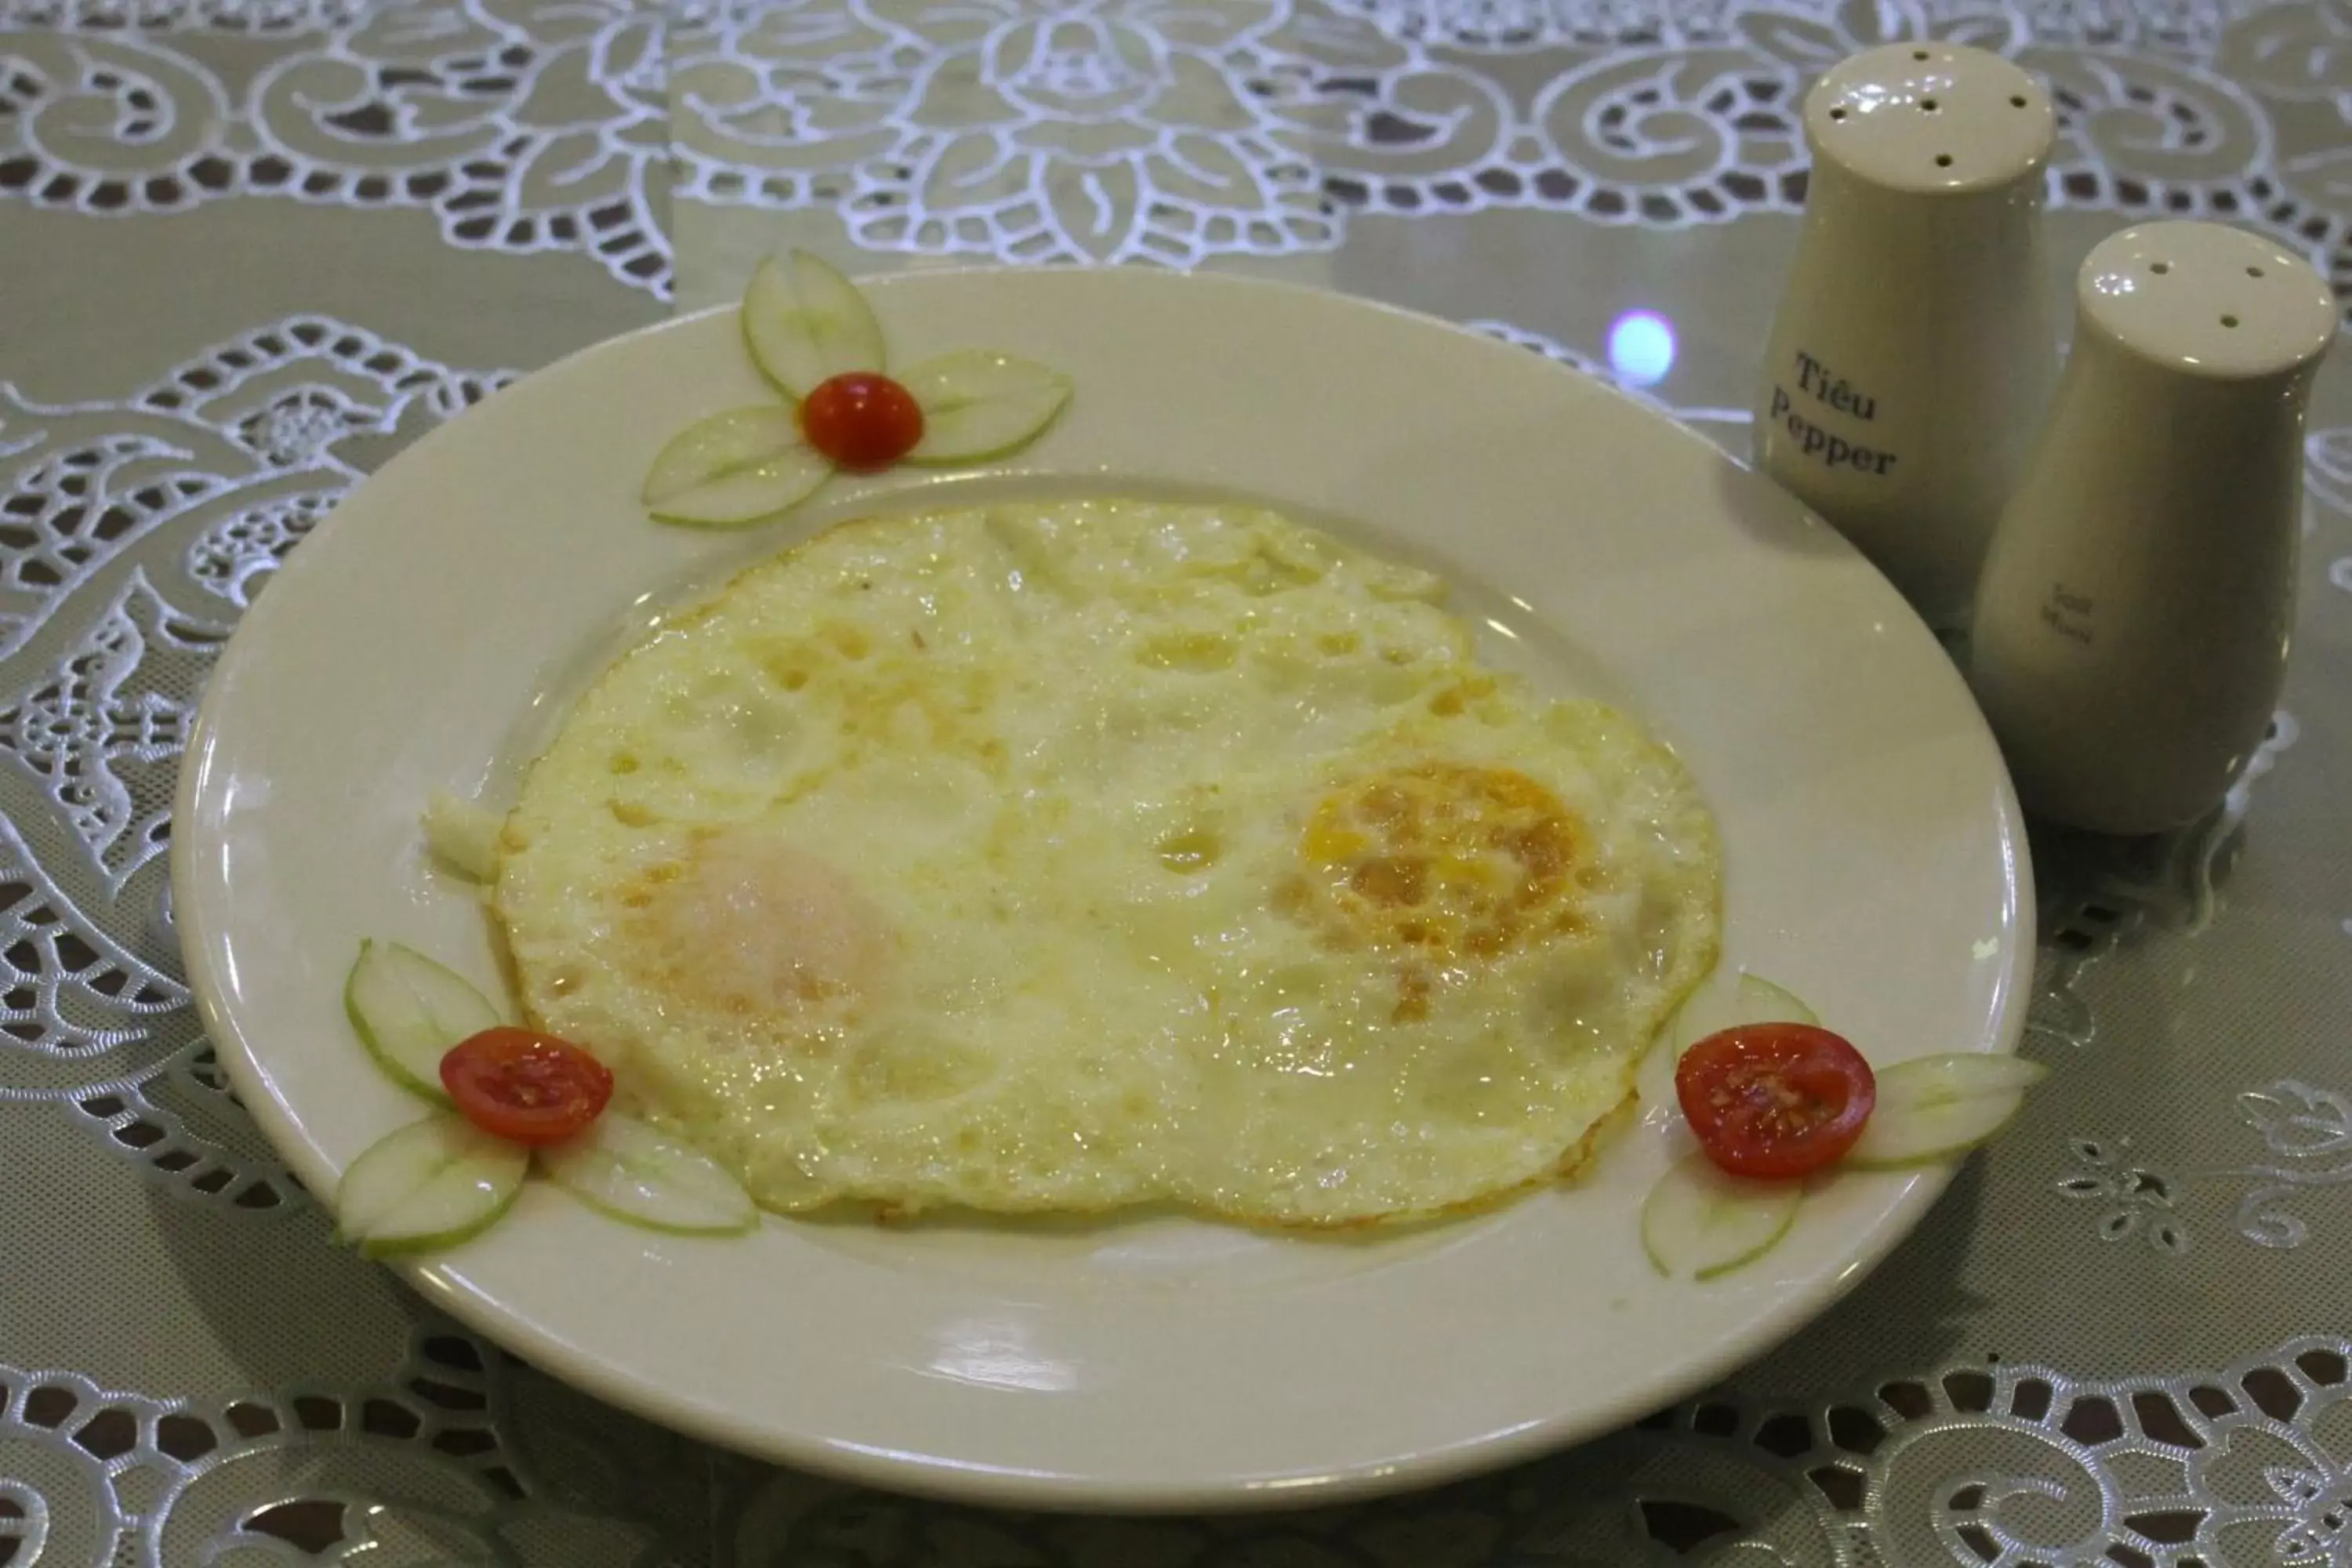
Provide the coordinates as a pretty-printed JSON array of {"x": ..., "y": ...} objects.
[{"x": 1074, "y": 855}]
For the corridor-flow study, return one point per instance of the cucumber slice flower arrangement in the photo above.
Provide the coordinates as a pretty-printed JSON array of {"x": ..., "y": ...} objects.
[
  {"x": 813, "y": 335},
  {"x": 1775, "y": 1099},
  {"x": 506, "y": 1100}
]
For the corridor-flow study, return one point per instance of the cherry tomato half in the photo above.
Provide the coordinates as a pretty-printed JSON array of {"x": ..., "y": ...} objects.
[
  {"x": 862, "y": 419},
  {"x": 1775, "y": 1100},
  {"x": 523, "y": 1087}
]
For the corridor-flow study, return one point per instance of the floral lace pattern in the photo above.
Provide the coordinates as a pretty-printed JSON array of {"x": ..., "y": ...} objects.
[
  {"x": 1152, "y": 130},
  {"x": 521, "y": 127},
  {"x": 426, "y": 1470},
  {"x": 466, "y": 1456},
  {"x": 2306, "y": 1134},
  {"x": 1109, "y": 130},
  {"x": 2136, "y": 1202},
  {"x": 131, "y": 533}
]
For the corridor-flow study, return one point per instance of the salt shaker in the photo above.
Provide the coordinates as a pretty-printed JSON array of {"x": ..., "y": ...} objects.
[
  {"x": 1915, "y": 344},
  {"x": 2131, "y": 626}
]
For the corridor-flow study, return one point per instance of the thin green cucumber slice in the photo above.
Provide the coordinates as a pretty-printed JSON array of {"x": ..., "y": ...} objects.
[
  {"x": 636, "y": 1173},
  {"x": 1700, "y": 1222},
  {"x": 433, "y": 1184},
  {"x": 748, "y": 495},
  {"x": 409, "y": 1011},
  {"x": 978, "y": 405},
  {"x": 1754, "y": 1000},
  {"x": 1933, "y": 1108},
  {"x": 805, "y": 324},
  {"x": 462, "y": 835},
  {"x": 719, "y": 445}
]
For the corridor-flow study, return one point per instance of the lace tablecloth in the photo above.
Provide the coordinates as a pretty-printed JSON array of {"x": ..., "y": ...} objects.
[{"x": 250, "y": 247}]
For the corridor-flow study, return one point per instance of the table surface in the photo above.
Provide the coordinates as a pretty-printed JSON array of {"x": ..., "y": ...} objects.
[{"x": 248, "y": 248}]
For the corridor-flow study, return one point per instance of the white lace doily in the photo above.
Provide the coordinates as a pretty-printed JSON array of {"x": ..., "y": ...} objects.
[{"x": 2122, "y": 1338}]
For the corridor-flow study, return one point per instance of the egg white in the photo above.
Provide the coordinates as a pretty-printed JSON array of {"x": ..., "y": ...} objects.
[{"x": 1073, "y": 856}]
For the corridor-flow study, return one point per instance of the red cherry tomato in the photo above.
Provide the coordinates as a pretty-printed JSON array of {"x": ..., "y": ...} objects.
[
  {"x": 523, "y": 1087},
  {"x": 862, "y": 419},
  {"x": 1775, "y": 1100}
]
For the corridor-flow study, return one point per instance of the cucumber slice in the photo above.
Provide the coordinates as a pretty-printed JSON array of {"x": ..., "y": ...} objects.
[
  {"x": 1754, "y": 1000},
  {"x": 409, "y": 1011},
  {"x": 433, "y": 1184},
  {"x": 633, "y": 1173},
  {"x": 1699, "y": 1222},
  {"x": 978, "y": 403},
  {"x": 719, "y": 445},
  {"x": 1931, "y": 1108},
  {"x": 805, "y": 324},
  {"x": 463, "y": 835},
  {"x": 748, "y": 495}
]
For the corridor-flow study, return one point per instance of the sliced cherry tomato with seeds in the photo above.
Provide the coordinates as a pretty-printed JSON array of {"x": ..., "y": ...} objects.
[
  {"x": 1775, "y": 1100},
  {"x": 862, "y": 419},
  {"x": 525, "y": 1087}
]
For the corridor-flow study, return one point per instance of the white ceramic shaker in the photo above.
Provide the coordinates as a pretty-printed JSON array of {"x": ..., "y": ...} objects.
[
  {"x": 1915, "y": 344},
  {"x": 2132, "y": 624}
]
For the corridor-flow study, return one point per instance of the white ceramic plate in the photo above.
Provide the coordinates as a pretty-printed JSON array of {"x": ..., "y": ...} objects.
[{"x": 439, "y": 620}]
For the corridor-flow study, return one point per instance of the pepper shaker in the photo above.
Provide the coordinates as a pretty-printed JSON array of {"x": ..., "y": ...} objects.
[
  {"x": 2132, "y": 624},
  {"x": 1915, "y": 345}
]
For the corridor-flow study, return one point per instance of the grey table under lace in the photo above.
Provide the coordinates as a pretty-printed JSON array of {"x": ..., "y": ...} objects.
[{"x": 250, "y": 248}]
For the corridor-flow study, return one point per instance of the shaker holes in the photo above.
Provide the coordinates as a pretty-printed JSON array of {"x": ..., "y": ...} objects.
[
  {"x": 2254, "y": 272},
  {"x": 1918, "y": 54},
  {"x": 2018, "y": 103},
  {"x": 2161, "y": 268},
  {"x": 1837, "y": 114},
  {"x": 2229, "y": 321},
  {"x": 1943, "y": 160},
  {"x": 1928, "y": 104}
]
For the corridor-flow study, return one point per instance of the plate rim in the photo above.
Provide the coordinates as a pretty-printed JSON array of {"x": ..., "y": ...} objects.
[{"x": 936, "y": 1476}]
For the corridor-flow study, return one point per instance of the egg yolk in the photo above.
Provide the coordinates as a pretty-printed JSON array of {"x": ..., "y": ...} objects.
[
  {"x": 748, "y": 924},
  {"x": 1446, "y": 865}
]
